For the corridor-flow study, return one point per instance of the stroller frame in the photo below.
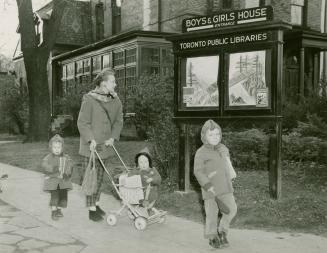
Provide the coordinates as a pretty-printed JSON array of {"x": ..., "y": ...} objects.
[{"x": 134, "y": 212}]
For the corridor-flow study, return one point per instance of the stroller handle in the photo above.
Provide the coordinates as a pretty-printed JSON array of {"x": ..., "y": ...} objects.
[{"x": 121, "y": 160}]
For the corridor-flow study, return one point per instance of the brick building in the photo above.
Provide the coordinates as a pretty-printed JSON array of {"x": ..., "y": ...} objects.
[{"x": 130, "y": 37}]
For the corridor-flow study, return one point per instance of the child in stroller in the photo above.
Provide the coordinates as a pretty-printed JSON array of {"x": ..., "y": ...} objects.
[
  {"x": 150, "y": 178},
  {"x": 138, "y": 190}
]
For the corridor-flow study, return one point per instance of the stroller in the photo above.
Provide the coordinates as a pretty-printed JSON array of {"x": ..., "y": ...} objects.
[{"x": 130, "y": 191}]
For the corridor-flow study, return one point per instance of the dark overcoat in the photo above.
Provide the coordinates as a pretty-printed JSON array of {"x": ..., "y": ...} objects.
[{"x": 94, "y": 124}]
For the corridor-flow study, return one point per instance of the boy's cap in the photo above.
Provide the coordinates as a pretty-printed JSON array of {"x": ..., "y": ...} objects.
[{"x": 208, "y": 125}]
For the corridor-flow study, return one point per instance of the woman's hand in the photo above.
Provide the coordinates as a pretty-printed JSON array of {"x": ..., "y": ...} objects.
[
  {"x": 109, "y": 142},
  {"x": 93, "y": 145}
]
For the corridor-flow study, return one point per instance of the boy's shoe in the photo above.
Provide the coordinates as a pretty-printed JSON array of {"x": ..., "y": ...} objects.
[
  {"x": 223, "y": 238},
  {"x": 94, "y": 216},
  {"x": 59, "y": 213},
  {"x": 54, "y": 215},
  {"x": 100, "y": 211},
  {"x": 215, "y": 243}
]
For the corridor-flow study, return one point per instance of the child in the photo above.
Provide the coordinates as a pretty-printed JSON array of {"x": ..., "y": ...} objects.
[
  {"x": 58, "y": 169},
  {"x": 214, "y": 172},
  {"x": 150, "y": 177}
]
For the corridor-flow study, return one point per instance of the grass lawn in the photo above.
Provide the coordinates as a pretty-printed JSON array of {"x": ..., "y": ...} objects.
[{"x": 302, "y": 208}]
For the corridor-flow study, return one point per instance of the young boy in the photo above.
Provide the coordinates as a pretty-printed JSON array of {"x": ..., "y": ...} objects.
[
  {"x": 213, "y": 170},
  {"x": 58, "y": 170}
]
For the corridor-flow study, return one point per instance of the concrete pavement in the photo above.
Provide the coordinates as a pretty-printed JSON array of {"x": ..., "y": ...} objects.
[{"x": 23, "y": 191}]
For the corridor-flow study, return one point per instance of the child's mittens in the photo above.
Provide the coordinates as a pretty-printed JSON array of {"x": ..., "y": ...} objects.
[
  {"x": 149, "y": 180},
  {"x": 222, "y": 206},
  {"x": 211, "y": 189}
]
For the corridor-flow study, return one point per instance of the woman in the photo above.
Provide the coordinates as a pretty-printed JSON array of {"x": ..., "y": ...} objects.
[{"x": 100, "y": 122}]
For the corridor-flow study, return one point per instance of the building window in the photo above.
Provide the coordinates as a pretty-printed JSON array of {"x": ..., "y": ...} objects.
[
  {"x": 87, "y": 66},
  {"x": 118, "y": 58},
  {"x": 297, "y": 12},
  {"x": 256, "y": 3},
  {"x": 150, "y": 60},
  {"x": 99, "y": 21},
  {"x": 116, "y": 16},
  {"x": 167, "y": 61},
  {"x": 130, "y": 78},
  {"x": 130, "y": 56},
  {"x": 64, "y": 72},
  {"x": 227, "y": 4},
  {"x": 79, "y": 68},
  {"x": 130, "y": 88},
  {"x": 96, "y": 64},
  {"x": 106, "y": 63},
  {"x": 70, "y": 70}
]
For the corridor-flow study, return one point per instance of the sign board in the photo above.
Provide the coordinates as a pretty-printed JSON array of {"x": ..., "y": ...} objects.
[
  {"x": 230, "y": 18},
  {"x": 226, "y": 40}
]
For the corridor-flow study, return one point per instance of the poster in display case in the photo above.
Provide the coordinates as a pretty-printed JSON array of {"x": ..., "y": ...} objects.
[
  {"x": 200, "y": 87},
  {"x": 249, "y": 79}
]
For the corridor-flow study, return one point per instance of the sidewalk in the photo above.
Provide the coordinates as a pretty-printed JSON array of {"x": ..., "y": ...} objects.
[{"x": 23, "y": 191}]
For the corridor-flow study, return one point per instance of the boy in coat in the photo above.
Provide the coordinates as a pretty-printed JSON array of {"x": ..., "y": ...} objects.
[
  {"x": 214, "y": 172},
  {"x": 100, "y": 122},
  {"x": 58, "y": 170}
]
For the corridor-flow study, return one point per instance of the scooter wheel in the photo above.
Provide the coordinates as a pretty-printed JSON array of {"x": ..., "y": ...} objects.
[
  {"x": 140, "y": 223},
  {"x": 111, "y": 219}
]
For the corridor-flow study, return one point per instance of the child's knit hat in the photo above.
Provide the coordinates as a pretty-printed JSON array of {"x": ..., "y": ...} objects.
[
  {"x": 56, "y": 138},
  {"x": 146, "y": 152},
  {"x": 208, "y": 125}
]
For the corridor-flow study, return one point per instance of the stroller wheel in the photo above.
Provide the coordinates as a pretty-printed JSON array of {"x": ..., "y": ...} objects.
[
  {"x": 130, "y": 215},
  {"x": 111, "y": 219},
  {"x": 140, "y": 223}
]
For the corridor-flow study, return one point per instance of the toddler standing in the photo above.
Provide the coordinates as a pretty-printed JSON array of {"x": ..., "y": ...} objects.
[
  {"x": 58, "y": 169},
  {"x": 214, "y": 172}
]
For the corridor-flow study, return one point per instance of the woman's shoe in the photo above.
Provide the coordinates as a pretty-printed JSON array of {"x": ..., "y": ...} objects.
[
  {"x": 100, "y": 211},
  {"x": 94, "y": 216}
]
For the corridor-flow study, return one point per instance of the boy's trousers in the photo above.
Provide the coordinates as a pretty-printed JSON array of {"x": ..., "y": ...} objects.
[{"x": 211, "y": 209}]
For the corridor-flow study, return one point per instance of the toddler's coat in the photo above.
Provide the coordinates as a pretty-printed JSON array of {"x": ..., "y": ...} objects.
[{"x": 51, "y": 164}]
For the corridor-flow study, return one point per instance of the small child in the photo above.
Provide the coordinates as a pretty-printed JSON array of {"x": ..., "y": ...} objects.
[
  {"x": 214, "y": 172},
  {"x": 150, "y": 177},
  {"x": 58, "y": 170},
  {"x": 3, "y": 177}
]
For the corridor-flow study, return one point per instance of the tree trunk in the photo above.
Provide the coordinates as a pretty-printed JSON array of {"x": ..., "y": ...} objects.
[
  {"x": 36, "y": 59},
  {"x": 39, "y": 98}
]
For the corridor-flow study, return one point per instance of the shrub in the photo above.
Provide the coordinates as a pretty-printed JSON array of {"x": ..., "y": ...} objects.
[
  {"x": 14, "y": 106},
  {"x": 315, "y": 126},
  {"x": 302, "y": 148},
  {"x": 70, "y": 102},
  {"x": 154, "y": 113},
  {"x": 248, "y": 149},
  {"x": 294, "y": 112}
]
